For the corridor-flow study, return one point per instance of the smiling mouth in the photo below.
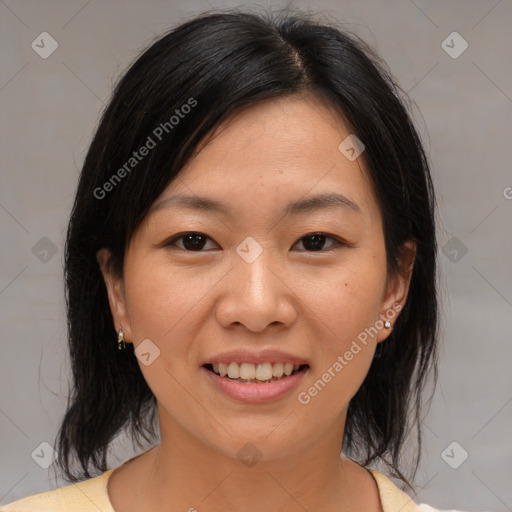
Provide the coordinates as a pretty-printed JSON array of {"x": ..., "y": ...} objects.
[{"x": 255, "y": 373}]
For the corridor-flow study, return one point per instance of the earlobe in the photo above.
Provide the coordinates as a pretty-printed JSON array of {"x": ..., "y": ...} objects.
[
  {"x": 397, "y": 289},
  {"x": 116, "y": 296}
]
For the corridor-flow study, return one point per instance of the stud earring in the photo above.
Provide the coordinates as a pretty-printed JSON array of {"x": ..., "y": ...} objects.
[
  {"x": 387, "y": 324},
  {"x": 120, "y": 340}
]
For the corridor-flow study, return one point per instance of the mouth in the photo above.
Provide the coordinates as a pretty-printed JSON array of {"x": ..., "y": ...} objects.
[
  {"x": 250, "y": 373},
  {"x": 251, "y": 378}
]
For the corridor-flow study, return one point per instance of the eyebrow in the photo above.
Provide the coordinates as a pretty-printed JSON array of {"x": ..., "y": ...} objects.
[{"x": 308, "y": 204}]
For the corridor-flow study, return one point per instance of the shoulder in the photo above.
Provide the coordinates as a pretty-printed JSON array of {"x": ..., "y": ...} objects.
[
  {"x": 393, "y": 498},
  {"x": 89, "y": 495}
]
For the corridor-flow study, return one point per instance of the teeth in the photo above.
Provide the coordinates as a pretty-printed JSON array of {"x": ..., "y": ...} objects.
[
  {"x": 288, "y": 368},
  {"x": 233, "y": 371},
  {"x": 249, "y": 371},
  {"x": 263, "y": 371},
  {"x": 277, "y": 369}
]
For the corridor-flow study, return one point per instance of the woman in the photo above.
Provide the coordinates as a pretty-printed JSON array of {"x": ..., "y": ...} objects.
[{"x": 250, "y": 270}]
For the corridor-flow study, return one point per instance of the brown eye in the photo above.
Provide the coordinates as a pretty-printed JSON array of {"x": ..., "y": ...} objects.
[
  {"x": 316, "y": 241},
  {"x": 192, "y": 241}
]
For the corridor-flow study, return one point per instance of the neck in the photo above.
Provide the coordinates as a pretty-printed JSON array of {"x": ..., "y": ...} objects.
[{"x": 183, "y": 473}]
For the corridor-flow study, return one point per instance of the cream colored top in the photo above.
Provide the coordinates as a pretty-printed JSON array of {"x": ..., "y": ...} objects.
[{"x": 92, "y": 496}]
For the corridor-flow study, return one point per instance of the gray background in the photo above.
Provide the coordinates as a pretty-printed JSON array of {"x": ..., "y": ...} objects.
[{"x": 50, "y": 107}]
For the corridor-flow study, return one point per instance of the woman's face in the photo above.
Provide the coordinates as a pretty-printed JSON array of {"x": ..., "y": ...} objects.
[{"x": 255, "y": 286}]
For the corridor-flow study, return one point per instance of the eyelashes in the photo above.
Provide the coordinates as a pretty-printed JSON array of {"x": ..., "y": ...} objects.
[{"x": 193, "y": 241}]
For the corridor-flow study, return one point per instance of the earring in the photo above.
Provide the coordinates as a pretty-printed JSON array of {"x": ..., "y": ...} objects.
[
  {"x": 120, "y": 340},
  {"x": 387, "y": 324}
]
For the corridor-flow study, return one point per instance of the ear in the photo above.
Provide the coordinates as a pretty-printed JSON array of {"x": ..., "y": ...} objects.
[
  {"x": 397, "y": 288},
  {"x": 116, "y": 295}
]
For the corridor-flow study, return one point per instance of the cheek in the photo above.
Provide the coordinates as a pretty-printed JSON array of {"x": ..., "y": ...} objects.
[
  {"x": 163, "y": 301},
  {"x": 347, "y": 300},
  {"x": 346, "y": 314},
  {"x": 165, "y": 306}
]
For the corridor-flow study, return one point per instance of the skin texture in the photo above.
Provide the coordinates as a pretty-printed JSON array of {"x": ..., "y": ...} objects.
[{"x": 194, "y": 305}]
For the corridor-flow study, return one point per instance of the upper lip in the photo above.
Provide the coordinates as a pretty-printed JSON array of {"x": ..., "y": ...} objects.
[{"x": 264, "y": 356}]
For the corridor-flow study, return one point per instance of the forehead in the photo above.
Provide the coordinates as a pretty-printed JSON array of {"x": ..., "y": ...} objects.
[{"x": 272, "y": 153}]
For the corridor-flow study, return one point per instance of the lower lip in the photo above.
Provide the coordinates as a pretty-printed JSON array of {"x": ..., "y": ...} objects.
[{"x": 252, "y": 392}]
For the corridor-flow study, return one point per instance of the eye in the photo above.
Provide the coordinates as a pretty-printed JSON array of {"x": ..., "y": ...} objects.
[
  {"x": 195, "y": 242},
  {"x": 315, "y": 242},
  {"x": 192, "y": 241}
]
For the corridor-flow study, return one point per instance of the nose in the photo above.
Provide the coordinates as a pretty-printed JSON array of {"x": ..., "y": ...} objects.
[{"x": 257, "y": 296}]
